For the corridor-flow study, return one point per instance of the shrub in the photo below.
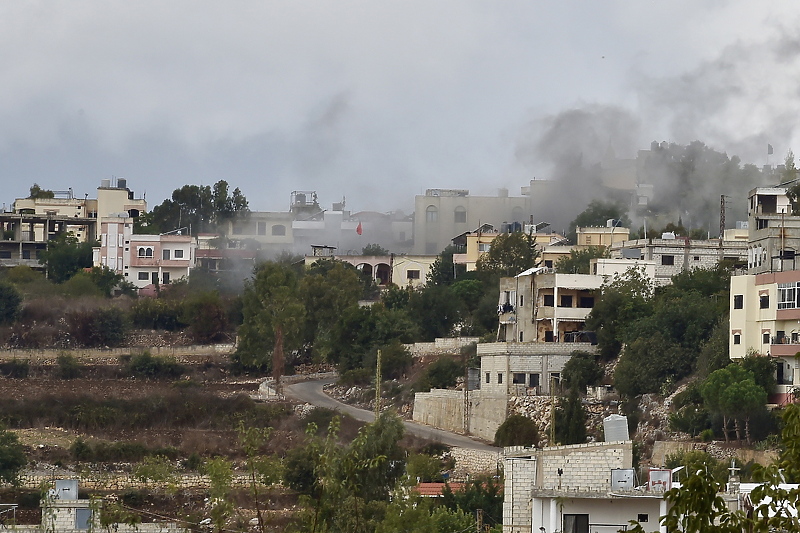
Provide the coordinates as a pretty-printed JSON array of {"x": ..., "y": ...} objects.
[
  {"x": 358, "y": 376},
  {"x": 424, "y": 468},
  {"x": 10, "y": 302},
  {"x": 147, "y": 366},
  {"x": 15, "y": 369},
  {"x": 206, "y": 317},
  {"x": 97, "y": 327},
  {"x": 150, "y": 313},
  {"x": 517, "y": 430},
  {"x": 68, "y": 366},
  {"x": 442, "y": 373}
]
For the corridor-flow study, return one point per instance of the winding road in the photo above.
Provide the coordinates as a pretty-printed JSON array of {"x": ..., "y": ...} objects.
[{"x": 311, "y": 392}]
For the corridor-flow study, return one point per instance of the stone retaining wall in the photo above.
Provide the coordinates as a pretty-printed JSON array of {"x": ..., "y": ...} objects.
[
  {"x": 440, "y": 346},
  {"x": 180, "y": 352},
  {"x": 118, "y": 481}
]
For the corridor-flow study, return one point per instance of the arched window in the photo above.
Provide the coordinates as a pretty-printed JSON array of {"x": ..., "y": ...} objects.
[
  {"x": 144, "y": 251},
  {"x": 148, "y": 252},
  {"x": 279, "y": 229},
  {"x": 432, "y": 214},
  {"x": 460, "y": 215}
]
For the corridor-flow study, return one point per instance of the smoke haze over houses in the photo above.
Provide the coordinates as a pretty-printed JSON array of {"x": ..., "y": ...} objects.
[{"x": 378, "y": 102}]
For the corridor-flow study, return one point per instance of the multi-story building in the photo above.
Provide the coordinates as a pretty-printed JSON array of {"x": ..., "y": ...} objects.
[
  {"x": 606, "y": 235},
  {"x": 539, "y": 305},
  {"x": 773, "y": 232},
  {"x": 473, "y": 244},
  {"x": 441, "y": 214},
  {"x": 143, "y": 260},
  {"x": 402, "y": 270},
  {"x": 673, "y": 255}
]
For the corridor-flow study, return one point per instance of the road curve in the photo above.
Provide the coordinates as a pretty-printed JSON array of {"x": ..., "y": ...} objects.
[{"x": 311, "y": 392}]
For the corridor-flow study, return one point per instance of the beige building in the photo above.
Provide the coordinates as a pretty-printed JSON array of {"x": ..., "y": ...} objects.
[
  {"x": 441, "y": 214},
  {"x": 476, "y": 243},
  {"x": 541, "y": 306},
  {"x": 401, "y": 270},
  {"x": 113, "y": 198},
  {"x": 143, "y": 260},
  {"x": 602, "y": 236}
]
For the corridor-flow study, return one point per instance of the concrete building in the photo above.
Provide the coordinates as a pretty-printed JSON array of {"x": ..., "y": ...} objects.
[
  {"x": 539, "y": 305},
  {"x": 773, "y": 232},
  {"x": 471, "y": 245},
  {"x": 402, "y": 270},
  {"x": 144, "y": 260},
  {"x": 602, "y": 236},
  {"x": 441, "y": 214},
  {"x": 24, "y": 236},
  {"x": 674, "y": 255},
  {"x": 113, "y": 197},
  {"x": 765, "y": 319}
]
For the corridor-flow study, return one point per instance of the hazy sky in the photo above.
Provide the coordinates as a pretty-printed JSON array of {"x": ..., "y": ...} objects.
[{"x": 375, "y": 101}]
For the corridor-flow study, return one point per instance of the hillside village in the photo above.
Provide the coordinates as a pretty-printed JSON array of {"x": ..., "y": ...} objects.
[{"x": 153, "y": 359}]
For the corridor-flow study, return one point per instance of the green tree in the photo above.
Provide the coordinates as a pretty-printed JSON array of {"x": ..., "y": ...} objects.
[
  {"x": 12, "y": 457},
  {"x": 273, "y": 317},
  {"x": 581, "y": 371},
  {"x": 510, "y": 254},
  {"x": 597, "y": 213},
  {"x": 206, "y": 315},
  {"x": 571, "y": 420},
  {"x": 578, "y": 261},
  {"x": 443, "y": 271},
  {"x": 441, "y": 374},
  {"x": 199, "y": 208},
  {"x": 65, "y": 256},
  {"x": 763, "y": 370},
  {"x": 623, "y": 299},
  {"x": 374, "y": 249},
  {"x": 37, "y": 192},
  {"x": 107, "y": 280},
  {"x": 434, "y": 310},
  {"x": 10, "y": 303},
  {"x": 517, "y": 430},
  {"x": 478, "y": 493},
  {"x": 424, "y": 468},
  {"x": 720, "y": 394}
]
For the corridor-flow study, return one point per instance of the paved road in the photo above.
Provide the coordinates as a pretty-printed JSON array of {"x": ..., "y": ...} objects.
[{"x": 311, "y": 392}]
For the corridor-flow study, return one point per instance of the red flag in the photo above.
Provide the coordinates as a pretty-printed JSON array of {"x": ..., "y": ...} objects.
[{"x": 359, "y": 230}]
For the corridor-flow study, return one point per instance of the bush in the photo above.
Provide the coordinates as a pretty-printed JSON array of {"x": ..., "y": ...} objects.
[
  {"x": 424, "y": 468},
  {"x": 207, "y": 317},
  {"x": 97, "y": 327},
  {"x": 147, "y": 366},
  {"x": 15, "y": 369},
  {"x": 10, "y": 302},
  {"x": 150, "y": 313},
  {"x": 517, "y": 430},
  {"x": 68, "y": 366},
  {"x": 442, "y": 373},
  {"x": 358, "y": 376}
]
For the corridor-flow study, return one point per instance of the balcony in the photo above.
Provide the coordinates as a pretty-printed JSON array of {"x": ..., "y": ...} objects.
[{"x": 784, "y": 346}]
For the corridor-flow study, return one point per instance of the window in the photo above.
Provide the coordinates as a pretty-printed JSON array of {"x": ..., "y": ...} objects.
[
  {"x": 576, "y": 523},
  {"x": 279, "y": 230},
  {"x": 521, "y": 300},
  {"x": 668, "y": 260},
  {"x": 140, "y": 252},
  {"x": 697, "y": 258},
  {"x": 148, "y": 252},
  {"x": 144, "y": 276},
  {"x": 737, "y": 339},
  {"x": 262, "y": 228},
  {"x": 484, "y": 247},
  {"x": 548, "y": 300},
  {"x": 26, "y": 254},
  {"x": 412, "y": 274},
  {"x": 738, "y": 301},
  {"x": 165, "y": 278},
  {"x": 764, "y": 301},
  {"x": 548, "y": 263},
  {"x": 144, "y": 251},
  {"x": 533, "y": 380},
  {"x": 765, "y": 339},
  {"x": 565, "y": 300},
  {"x": 238, "y": 229},
  {"x": 520, "y": 337},
  {"x": 5, "y": 254},
  {"x": 787, "y": 295},
  {"x": 499, "y": 377},
  {"x": 460, "y": 215},
  {"x": 588, "y": 239},
  {"x": 518, "y": 378},
  {"x": 178, "y": 254},
  {"x": 165, "y": 254},
  {"x": 642, "y": 517},
  {"x": 548, "y": 336},
  {"x": 432, "y": 214},
  {"x": 488, "y": 377},
  {"x": 587, "y": 302}
]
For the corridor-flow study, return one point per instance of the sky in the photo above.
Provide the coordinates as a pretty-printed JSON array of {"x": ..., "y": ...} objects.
[{"x": 377, "y": 101}]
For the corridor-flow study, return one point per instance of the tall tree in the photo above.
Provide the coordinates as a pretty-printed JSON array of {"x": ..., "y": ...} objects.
[
  {"x": 597, "y": 213},
  {"x": 10, "y": 302},
  {"x": 571, "y": 420},
  {"x": 577, "y": 262},
  {"x": 273, "y": 317},
  {"x": 65, "y": 256},
  {"x": 199, "y": 208},
  {"x": 510, "y": 254}
]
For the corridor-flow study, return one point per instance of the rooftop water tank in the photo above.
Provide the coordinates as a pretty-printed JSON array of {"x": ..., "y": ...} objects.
[{"x": 615, "y": 428}]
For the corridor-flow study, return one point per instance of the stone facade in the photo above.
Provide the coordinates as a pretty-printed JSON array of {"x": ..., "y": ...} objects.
[{"x": 583, "y": 467}]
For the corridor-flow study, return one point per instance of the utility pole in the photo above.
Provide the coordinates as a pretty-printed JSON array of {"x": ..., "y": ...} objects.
[
  {"x": 478, "y": 520},
  {"x": 378, "y": 387}
]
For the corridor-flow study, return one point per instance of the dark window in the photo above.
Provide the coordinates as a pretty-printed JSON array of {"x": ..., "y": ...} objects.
[
  {"x": 460, "y": 215},
  {"x": 520, "y": 336},
  {"x": 762, "y": 223},
  {"x": 154, "y": 278},
  {"x": 5, "y": 254},
  {"x": 26, "y": 254},
  {"x": 548, "y": 336},
  {"x": 518, "y": 378},
  {"x": 148, "y": 252},
  {"x": 565, "y": 301},
  {"x": 549, "y": 300},
  {"x": 642, "y": 517},
  {"x": 488, "y": 377},
  {"x": 587, "y": 302},
  {"x": 165, "y": 278},
  {"x": 576, "y": 523},
  {"x": 548, "y": 263},
  {"x": 533, "y": 380},
  {"x": 412, "y": 274},
  {"x": 764, "y": 301},
  {"x": 143, "y": 276},
  {"x": 141, "y": 252},
  {"x": 668, "y": 260},
  {"x": 178, "y": 254},
  {"x": 765, "y": 338},
  {"x": 521, "y": 300},
  {"x": 499, "y": 377},
  {"x": 165, "y": 254},
  {"x": 697, "y": 258},
  {"x": 738, "y": 301},
  {"x": 262, "y": 228},
  {"x": 279, "y": 230},
  {"x": 737, "y": 339}
]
